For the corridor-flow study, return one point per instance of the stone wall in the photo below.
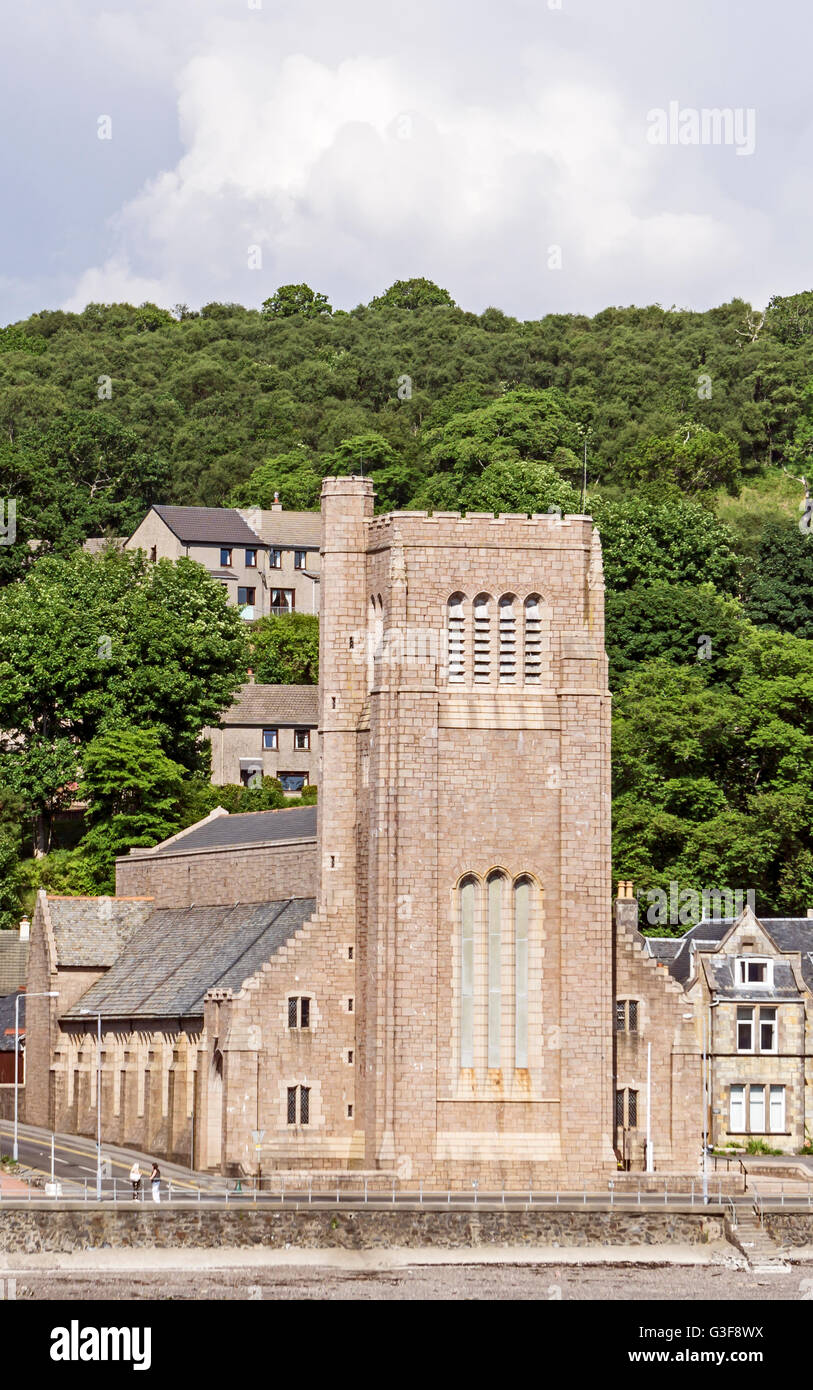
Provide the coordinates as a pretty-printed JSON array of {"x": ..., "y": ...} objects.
[
  {"x": 67, "y": 1228},
  {"x": 220, "y": 877}
]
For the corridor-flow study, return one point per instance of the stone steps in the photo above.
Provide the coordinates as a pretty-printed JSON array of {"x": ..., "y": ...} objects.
[{"x": 761, "y": 1252}]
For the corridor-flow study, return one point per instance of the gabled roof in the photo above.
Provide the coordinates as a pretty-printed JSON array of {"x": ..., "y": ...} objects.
[
  {"x": 208, "y": 525},
  {"x": 177, "y": 954},
  {"x": 274, "y": 704},
  {"x": 92, "y": 931},
  {"x": 789, "y": 934}
]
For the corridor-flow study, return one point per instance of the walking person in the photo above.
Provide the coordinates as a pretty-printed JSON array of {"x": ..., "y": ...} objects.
[
  {"x": 135, "y": 1179},
  {"x": 155, "y": 1180}
]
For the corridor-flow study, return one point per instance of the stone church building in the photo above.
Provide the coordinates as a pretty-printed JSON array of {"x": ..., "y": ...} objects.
[{"x": 431, "y": 986}]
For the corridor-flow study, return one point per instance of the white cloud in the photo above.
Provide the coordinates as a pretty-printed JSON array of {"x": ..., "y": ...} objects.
[{"x": 352, "y": 172}]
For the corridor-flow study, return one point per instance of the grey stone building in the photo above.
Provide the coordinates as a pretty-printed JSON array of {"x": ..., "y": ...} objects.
[{"x": 269, "y": 731}]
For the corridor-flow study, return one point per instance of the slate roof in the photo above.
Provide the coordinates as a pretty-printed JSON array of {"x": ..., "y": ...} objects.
[
  {"x": 178, "y": 954},
  {"x": 789, "y": 934},
  {"x": 7, "y": 1021},
  {"x": 663, "y": 947},
  {"x": 92, "y": 931},
  {"x": 13, "y": 961},
  {"x": 248, "y": 828},
  {"x": 273, "y": 705},
  {"x": 208, "y": 525}
]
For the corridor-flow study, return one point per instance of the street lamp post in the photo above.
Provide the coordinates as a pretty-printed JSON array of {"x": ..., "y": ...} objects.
[
  {"x": 98, "y": 1099},
  {"x": 39, "y": 994}
]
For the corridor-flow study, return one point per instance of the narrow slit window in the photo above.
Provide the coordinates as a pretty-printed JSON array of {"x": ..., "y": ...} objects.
[
  {"x": 304, "y": 1105},
  {"x": 292, "y": 1105}
]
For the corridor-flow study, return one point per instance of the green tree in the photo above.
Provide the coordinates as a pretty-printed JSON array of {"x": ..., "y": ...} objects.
[
  {"x": 89, "y": 642},
  {"x": 413, "y": 294},
  {"x": 683, "y": 623},
  {"x": 291, "y": 476},
  {"x": 694, "y": 459},
  {"x": 133, "y": 791},
  {"x": 678, "y": 541},
  {"x": 285, "y": 649},
  {"x": 296, "y": 300},
  {"x": 779, "y": 591}
]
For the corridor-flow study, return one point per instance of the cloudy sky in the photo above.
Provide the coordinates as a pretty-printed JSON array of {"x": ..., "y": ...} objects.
[{"x": 507, "y": 150}]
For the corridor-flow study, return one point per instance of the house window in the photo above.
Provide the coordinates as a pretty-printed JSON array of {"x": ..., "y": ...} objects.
[
  {"x": 753, "y": 972},
  {"x": 246, "y": 597},
  {"x": 300, "y": 559},
  {"x": 745, "y": 1030},
  {"x": 777, "y": 1109},
  {"x": 626, "y": 1015},
  {"x": 767, "y": 1029},
  {"x": 736, "y": 1107},
  {"x": 756, "y": 1108},
  {"x": 299, "y": 1103},
  {"x": 154, "y": 553},
  {"x": 225, "y": 558},
  {"x": 275, "y": 558},
  {"x": 508, "y": 640},
  {"x": 292, "y": 781},
  {"x": 455, "y": 639},
  {"x": 270, "y": 738},
  {"x": 251, "y": 559},
  {"x": 302, "y": 738},
  {"x": 626, "y": 1109},
  {"x": 282, "y": 601},
  {"x": 299, "y": 1012}
]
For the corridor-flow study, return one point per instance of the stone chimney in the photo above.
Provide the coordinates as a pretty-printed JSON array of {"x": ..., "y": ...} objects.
[
  {"x": 626, "y": 906},
  {"x": 276, "y": 505},
  {"x": 25, "y": 929}
]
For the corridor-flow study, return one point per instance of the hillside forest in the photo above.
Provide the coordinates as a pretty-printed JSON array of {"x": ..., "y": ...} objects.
[{"x": 687, "y": 435}]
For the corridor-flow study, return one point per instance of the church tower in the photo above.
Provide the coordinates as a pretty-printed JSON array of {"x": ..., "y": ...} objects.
[{"x": 464, "y": 830}]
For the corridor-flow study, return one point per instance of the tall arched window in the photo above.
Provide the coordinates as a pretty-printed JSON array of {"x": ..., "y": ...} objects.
[
  {"x": 482, "y": 639},
  {"x": 522, "y": 919},
  {"x": 508, "y": 640},
  {"x": 468, "y": 910},
  {"x": 455, "y": 638},
  {"x": 533, "y": 639},
  {"x": 495, "y": 886}
]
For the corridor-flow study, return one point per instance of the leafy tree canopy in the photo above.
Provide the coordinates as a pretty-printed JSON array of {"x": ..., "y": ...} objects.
[
  {"x": 290, "y": 300},
  {"x": 285, "y": 649},
  {"x": 413, "y": 294}
]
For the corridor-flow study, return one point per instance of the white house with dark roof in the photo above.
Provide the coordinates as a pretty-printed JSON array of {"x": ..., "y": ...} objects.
[
  {"x": 269, "y": 731},
  {"x": 268, "y": 561}
]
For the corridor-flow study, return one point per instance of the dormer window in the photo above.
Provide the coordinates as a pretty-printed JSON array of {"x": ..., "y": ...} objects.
[{"x": 754, "y": 973}]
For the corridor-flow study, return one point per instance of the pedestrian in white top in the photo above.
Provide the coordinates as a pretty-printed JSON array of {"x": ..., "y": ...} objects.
[{"x": 135, "y": 1179}]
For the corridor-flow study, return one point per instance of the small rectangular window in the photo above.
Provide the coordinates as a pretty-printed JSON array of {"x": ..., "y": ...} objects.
[
  {"x": 270, "y": 738},
  {"x": 350, "y": 1055},
  {"x": 282, "y": 601},
  {"x": 350, "y": 1006},
  {"x": 225, "y": 557},
  {"x": 619, "y": 1109},
  {"x": 304, "y": 1105},
  {"x": 632, "y": 1109},
  {"x": 620, "y": 1015},
  {"x": 292, "y": 1013},
  {"x": 350, "y": 953},
  {"x": 275, "y": 558},
  {"x": 305, "y": 1013},
  {"x": 292, "y": 1105},
  {"x": 632, "y": 1007},
  {"x": 754, "y": 972},
  {"x": 300, "y": 559},
  {"x": 302, "y": 738},
  {"x": 251, "y": 559},
  {"x": 246, "y": 597},
  {"x": 349, "y": 1112},
  {"x": 292, "y": 781}
]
